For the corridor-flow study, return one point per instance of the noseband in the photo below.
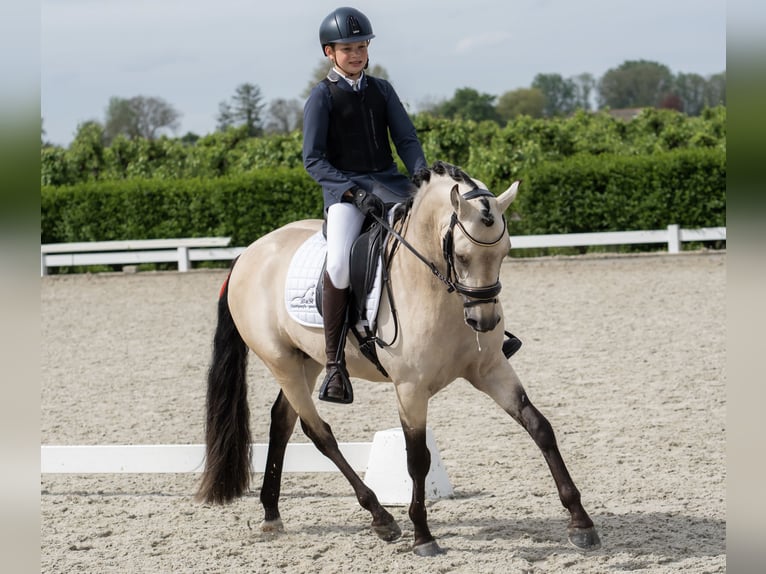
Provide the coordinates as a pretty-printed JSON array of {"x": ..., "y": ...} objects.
[{"x": 478, "y": 295}]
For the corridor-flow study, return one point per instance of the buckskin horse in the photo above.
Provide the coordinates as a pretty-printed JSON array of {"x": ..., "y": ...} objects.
[{"x": 443, "y": 320}]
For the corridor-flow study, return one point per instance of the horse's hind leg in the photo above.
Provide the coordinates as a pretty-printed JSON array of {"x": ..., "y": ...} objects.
[
  {"x": 297, "y": 379},
  {"x": 283, "y": 418},
  {"x": 512, "y": 398},
  {"x": 383, "y": 524}
]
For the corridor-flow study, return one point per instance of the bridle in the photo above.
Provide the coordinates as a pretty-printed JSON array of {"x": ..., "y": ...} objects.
[
  {"x": 477, "y": 295},
  {"x": 472, "y": 296}
]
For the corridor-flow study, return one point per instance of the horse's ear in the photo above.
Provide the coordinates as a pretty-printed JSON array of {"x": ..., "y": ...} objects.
[
  {"x": 505, "y": 199},
  {"x": 458, "y": 203}
]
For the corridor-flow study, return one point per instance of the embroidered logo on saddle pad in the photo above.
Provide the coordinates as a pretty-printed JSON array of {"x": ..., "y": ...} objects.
[{"x": 303, "y": 276}]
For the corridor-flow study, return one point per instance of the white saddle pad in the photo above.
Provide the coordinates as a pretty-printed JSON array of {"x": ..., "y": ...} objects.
[{"x": 303, "y": 278}]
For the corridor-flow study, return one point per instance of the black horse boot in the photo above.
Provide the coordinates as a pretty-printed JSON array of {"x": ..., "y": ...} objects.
[
  {"x": 511, "y": 345},
  {"x": 336, "y": 387}
]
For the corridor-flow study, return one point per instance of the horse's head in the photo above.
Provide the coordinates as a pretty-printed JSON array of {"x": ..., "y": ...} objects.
[
  {"x": 479, "y": 239},
  {"x": 474, "y": 242}
]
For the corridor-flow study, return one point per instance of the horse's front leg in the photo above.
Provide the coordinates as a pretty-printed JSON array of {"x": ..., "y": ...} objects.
[
  {"x": 412, "y": 412},
  {"x": 504, "y": 387},
  {"x": 418, "y": 465}
]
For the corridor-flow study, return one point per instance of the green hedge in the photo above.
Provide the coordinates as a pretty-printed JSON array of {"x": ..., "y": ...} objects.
[
  {"x": 588, "y": 193},
  {"x": 241, "y": 206},
  {"x": 581, "y": 193}
]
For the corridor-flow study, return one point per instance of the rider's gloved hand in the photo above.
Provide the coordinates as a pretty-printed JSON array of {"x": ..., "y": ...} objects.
[{"x": 368, "y": 203}]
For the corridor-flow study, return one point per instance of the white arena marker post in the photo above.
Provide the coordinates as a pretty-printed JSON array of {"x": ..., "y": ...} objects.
[{"x": 387, "y": 472}]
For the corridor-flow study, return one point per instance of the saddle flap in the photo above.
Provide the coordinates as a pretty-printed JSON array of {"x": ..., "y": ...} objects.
[{"x": 365, "y": 262}]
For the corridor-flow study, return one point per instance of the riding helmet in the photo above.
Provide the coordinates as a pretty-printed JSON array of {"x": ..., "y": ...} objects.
[{"x": 344, "y": 25}]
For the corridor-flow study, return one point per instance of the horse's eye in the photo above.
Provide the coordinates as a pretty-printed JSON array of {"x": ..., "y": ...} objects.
[{"x": 462, "y": 259}]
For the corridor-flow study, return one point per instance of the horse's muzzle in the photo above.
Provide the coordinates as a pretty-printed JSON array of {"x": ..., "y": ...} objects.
[
  {"x": 479, "y": 306},
  {"x": 481, "y": 323}
]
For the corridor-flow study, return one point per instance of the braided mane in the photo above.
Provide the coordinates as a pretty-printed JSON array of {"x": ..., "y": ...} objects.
[
  {"x": 457, "y": 174},
  {"x": 443, "y": 168}
]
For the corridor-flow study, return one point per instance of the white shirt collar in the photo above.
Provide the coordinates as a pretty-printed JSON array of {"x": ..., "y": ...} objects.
[{"x": 355, "y": 84}]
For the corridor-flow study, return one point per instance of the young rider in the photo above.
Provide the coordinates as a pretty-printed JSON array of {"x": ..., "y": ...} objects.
[{"x": 347, "y": 120}]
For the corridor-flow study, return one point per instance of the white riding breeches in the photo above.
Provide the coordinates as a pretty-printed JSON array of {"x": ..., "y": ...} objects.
[{"x": 344, "y": 222}]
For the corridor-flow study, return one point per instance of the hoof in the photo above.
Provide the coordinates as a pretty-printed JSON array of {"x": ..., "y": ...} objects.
[
  {"x": 428, "y": 549},
  {"x": 585, "y": 539},
  {"x": 388, "y": 532},
  {"x": 272, "y": 526}
]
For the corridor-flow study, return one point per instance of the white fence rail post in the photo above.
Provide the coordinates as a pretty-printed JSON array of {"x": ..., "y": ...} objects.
[
  {"x": 674, "y": 238},
  {"x": 183, "y": 259}
]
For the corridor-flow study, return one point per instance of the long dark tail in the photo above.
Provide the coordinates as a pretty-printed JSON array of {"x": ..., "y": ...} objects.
[{"x": 227, "y": 429}]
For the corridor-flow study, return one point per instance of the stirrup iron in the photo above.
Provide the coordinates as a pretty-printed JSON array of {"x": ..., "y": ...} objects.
[{"x": 348, "y": 391}]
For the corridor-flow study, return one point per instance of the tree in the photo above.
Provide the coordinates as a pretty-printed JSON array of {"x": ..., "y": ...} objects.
[
  {"x": 715, "y": 94},
  {"x": 634, "y": 84},
  {"x": 120, "y": 119},
  {"x": 672, "y": 101},
  {"x": 522, "y": 102},
  {"x": 429, "y": 105},
  {"x": 584, "y": 88},
  {"x": 691, "y": 89},
  {"x": 86, "y": 152},
  {"x": 317, "y": 75},
  {"x": 560, "y": 94},
  {"x": 469, "y": 104},
  {"x": 244, "y": 109},
  {"x": 284, "y": 116},
  {"x": 190, "y": 138},
  {"x": 139, "y": 117}
]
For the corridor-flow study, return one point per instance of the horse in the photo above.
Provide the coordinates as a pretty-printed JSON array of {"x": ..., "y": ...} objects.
[{"x": 442, "y": 321}]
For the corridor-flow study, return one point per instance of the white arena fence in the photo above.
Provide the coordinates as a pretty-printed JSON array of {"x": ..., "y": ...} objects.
[
  {"x": 135, "y": 251},
  {"x": 673, "y": 236},
  {"x": 383, "y": 462},
  {"x": 185, "y": 251},
  {"x": 183, "y": 458}
]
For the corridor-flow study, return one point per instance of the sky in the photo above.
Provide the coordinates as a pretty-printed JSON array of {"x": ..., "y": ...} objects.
[{"x": 194, "y": 53}]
